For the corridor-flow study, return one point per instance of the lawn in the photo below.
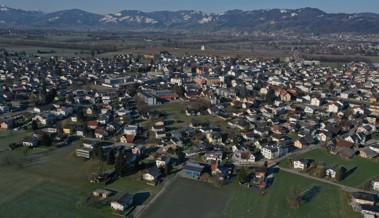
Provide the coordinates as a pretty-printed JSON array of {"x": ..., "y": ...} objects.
[
  {"x": 10, "y": 136},
  {"x": 187, "y": 199},
  {"x": 326, "y": 201},
  {"x": 364, "y": 169}
]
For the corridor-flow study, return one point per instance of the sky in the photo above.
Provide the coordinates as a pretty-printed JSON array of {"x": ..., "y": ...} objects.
[{"x": 209, "y": 6}]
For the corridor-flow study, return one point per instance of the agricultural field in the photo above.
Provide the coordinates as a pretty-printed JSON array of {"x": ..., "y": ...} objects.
[
  {"x": 53, "y": 182},
  {"x": 187, "y": 199},
  {"x": 190, "y": 199},
  {"x": 362, "y": 169}
]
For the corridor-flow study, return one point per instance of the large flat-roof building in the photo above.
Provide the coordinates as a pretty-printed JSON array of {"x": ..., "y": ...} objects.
[{"x": 147, "y": 98}]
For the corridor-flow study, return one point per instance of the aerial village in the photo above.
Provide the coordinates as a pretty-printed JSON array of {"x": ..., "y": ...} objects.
[{"x": 207, "y": 118}]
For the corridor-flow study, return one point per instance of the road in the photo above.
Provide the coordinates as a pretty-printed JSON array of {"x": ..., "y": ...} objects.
[{"x": 343, "y": 187}]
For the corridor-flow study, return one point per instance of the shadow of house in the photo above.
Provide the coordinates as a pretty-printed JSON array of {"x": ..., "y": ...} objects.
[{"x": 141, "y": 197}]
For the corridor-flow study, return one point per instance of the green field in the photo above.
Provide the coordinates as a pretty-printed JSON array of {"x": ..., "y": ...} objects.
[
  {"x": 55, "y": 183},
  {"x": 9, "y": 136},
  {"x": 329, "y": 201},
  {"x": 176, "y": 111},
  {"x": 364, "y": 169},
  {"x": 188, "y": 199}
]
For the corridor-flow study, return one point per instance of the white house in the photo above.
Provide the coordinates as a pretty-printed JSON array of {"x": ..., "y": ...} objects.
[
  {"x": 213, "y": 156},
  {"x": 152, "y": 174},
  {"x": 333, "y": 108},
  {"x": 123, "y": 203},
  {"x": 131, "y": 130},
  {"x": 331, "y": 172},
  {"x": 243, "y": 157},
  {"x": 315, "y": 102},
  {"x": 162, "y": 161},
  {"x": 309, "y": 110},
  {"x": 375, "y": 184},
  {"x": 301, "y": 164},
  {"x": 274, "y": 152}
]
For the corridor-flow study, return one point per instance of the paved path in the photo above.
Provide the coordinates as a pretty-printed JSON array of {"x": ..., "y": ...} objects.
[{"x": 343, "y": 187}]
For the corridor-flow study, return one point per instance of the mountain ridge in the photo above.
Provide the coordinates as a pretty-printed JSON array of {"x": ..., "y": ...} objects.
[{"x": 303, "y": 20}]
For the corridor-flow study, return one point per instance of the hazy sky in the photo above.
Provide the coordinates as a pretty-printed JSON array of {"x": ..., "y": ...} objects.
[{"x": 112, "y": 6}]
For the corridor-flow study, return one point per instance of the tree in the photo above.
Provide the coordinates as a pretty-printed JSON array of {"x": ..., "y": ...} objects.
[
  {"x": 294, "y": 197},
  {"x": 46, "y": 140},
  {"x": 34, "y": 125},
  {"x": 121, "y": 166},
  {"x": 142, "y": 107},
  {"x": 179, "y": 152},
  {"x": 80, "y": 115},
  {"x": 270, "y": 97},
  {"x": 99, "y": 152},
  {"x": 111, "y": 157},
  {"x": 242, "y": 176}
]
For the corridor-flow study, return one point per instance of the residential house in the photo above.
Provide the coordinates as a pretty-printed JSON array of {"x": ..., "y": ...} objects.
[
  {"x": 123, "y": 203},
  {"x": 341, "y": 143},
  {"x": 92, "y": 124},
  {"x": 101, "y": 133},
  {"x": 272, "y": 152},
  {"x": 89, "y": 143},
  {"x": 315, "y": 102},
  {"x": 84, "y": 152},
  {"x": 213, "y": 156},
  {"x": 301, "y": 164},
  {"x": 30, "y": 141},
  {"x": 260, "y": 172},
  {"x": 214, "y": 137},
  {"x": 131, "y": 130},
  {"x": 127, "y": 138},
  {"x": 218, "y": 169},
  {"x": 367, "y": 210},
  {"x": 138, "y": 150},
  {"x": 8, "y": 124},
  {"x": 364, "y": 198},
  {"x": 152, "y": 174},
  {"x": 192, "y": 170},
  {"x": 243, "y": 157},
  {"x": 367, "y": 153},
  {"x": 375, "y": 184},
  {"x": 331, "y": 171},
  {"x": 102, "y": 193},
  {"x": 162, "y": 161}
]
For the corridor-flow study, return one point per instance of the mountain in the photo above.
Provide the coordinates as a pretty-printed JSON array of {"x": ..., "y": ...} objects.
[{"x": 305, "y": 20}]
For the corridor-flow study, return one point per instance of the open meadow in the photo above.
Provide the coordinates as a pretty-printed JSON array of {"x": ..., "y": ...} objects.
[
  {"x": 52, "y": 182},
  {"x": 188, "y": 198},
  {"x": 362, "y": 170}
]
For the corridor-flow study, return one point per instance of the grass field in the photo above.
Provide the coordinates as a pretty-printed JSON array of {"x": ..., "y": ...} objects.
[
  {"x": 176, "y": 111},
  {"x": 8, "y": 136},
  {"x": 187, "y": 199},
  {"x": 326, "y": 201},
  {"x": 55, "y": 183},
  {"x": 364, "y": 169}
]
